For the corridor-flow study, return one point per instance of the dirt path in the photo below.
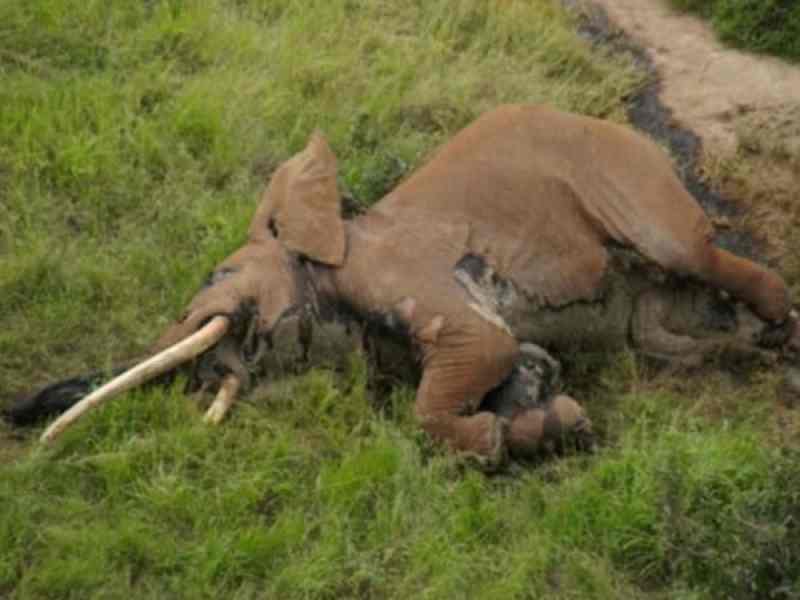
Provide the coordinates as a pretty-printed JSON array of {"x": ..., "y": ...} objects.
[
  {"x": 732, "y": 122},
  {"x": 708, "y": 87},
  {"x": 730, "y": 119}
]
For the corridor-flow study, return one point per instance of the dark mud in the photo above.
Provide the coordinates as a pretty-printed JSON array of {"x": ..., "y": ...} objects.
[{"x": 648, "y": 114}]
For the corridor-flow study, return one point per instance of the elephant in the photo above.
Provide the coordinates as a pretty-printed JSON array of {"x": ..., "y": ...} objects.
[{"x": 530, "y": 233}]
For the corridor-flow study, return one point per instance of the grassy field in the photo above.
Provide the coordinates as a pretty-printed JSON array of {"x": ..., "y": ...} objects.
[{"x": 134, "y": 140}]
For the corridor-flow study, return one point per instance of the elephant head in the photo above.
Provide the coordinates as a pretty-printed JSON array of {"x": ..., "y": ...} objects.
[{"x": 263, "y": 291}]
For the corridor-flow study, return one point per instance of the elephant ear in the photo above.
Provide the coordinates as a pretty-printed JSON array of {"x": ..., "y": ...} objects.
[{"x": 301, "y": 205}]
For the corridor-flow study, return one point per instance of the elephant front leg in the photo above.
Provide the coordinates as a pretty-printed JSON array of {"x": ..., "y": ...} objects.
[
  {"x": 535, "y": 378},
  {"x": 539, "y": 418},
  {"x": 459, "y": 370},
  {"x": 547, "y": 426}
]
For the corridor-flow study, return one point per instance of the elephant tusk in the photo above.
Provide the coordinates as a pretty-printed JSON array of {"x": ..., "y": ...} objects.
[
  {"x": 224, "y": 400},
  {"x": 163, "y": 362}
]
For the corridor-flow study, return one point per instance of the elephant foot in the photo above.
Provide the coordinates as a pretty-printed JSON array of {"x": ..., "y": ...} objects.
[
  {"x": 549, "y": 428},
  {"x": 480, "y": 439},
  {"x": 494, "y": 453}
]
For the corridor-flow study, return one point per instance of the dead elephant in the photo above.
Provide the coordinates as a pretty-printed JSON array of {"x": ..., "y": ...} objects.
[{"x": 530, "y": 229}]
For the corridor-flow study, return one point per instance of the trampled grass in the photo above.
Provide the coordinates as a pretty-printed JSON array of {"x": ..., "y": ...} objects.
[{"x": 134, "y": 139}]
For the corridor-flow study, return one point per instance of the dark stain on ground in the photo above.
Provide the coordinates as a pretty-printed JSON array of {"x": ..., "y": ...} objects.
[{"x": 648, "y": 113}]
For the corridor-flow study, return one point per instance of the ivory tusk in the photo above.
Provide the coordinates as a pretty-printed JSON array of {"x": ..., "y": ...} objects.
[
  {"x": 224, "y": 400},
  {"x": 164, "y": 361}
]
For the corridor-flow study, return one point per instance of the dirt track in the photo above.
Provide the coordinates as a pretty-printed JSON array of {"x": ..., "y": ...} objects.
[{"x": 708, "y": 87}]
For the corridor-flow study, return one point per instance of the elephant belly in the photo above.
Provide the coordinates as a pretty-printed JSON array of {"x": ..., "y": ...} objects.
[{"x": 602, "y": 322}]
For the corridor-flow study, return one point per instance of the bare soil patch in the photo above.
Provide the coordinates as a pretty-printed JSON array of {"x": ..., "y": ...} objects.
[{"x": 708, "y": 87}]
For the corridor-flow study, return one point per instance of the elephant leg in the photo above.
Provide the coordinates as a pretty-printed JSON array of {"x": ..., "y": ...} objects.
[
  {"x": 757, "y": 286},
  {"x": 544, "y": 428},
  {"x": 535, "y": 379},
  {"x": 538, "y": 418},
  {"x": 481, "y": 436},
  {"x": 748, "y": 281},
  {"x": 653, "y": 338},
  {"x": 458, "y": 372}
]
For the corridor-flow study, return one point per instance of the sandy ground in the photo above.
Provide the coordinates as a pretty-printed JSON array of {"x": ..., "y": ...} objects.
[{"x": 708, "y": 87}]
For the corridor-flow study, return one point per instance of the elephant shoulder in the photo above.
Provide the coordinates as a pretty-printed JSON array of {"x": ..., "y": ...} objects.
[{"x": 389, "y": 258}]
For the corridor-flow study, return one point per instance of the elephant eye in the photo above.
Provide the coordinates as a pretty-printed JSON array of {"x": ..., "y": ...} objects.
[{"x": 273, "y": 227}]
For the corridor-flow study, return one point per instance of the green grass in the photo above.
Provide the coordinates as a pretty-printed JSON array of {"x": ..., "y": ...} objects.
[
  {"x": 309, "y": 491},
  {"x": 134, "y": 141},
  {"x": 771, "y": 26}
]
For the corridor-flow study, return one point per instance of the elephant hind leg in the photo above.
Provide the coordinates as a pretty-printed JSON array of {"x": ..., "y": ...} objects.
[
  {"x": 750, "y": 282},
  {"x": 758, "y": 286},
  {"x": 539, "y": 417},
  {"x": 545, "y": 428}
]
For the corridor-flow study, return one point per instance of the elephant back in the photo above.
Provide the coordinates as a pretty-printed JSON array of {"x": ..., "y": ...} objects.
[{"x": 545, "y": 192}]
